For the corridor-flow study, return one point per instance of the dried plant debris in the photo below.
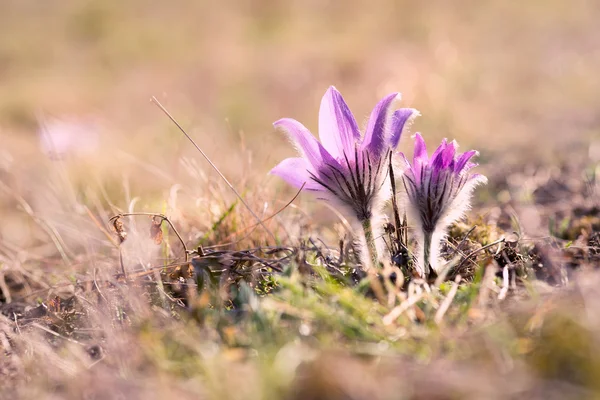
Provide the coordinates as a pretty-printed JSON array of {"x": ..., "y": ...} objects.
[
  {"x": 505, "y": 310},
  {"x": 119, "y": 229},
  {"x": 156, "y": 233}
]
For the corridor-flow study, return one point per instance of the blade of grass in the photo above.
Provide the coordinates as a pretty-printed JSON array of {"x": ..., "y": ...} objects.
[{"x": 163, "y": 109}]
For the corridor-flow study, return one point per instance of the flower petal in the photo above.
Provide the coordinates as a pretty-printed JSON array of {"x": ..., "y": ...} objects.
[
  {"x": 477, "y": 179},
  {"x": 400, "y": 119},
  {"x": 443, "y": 158},
  {"x": 406, "y": 162},
  {"x": 436, "y": 157},
  {"x": 420, "y": 159},
  {"x": 420, "y": 152},
  {"x": 305, "y": 142},
  {"x": 463, "y": 159},
  {"x": 448, "y": 154},
  {"x": 374, "y": 139},
  {"x": 407, "y": 169},
  {"x": 295, "y": 172},
  {"x": 338, "y": 130}
]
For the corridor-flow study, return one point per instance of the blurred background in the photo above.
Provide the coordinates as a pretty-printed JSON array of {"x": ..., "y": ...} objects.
[
  {"x": 517, "y": 81},
  {"x": 493, "y": 74}
]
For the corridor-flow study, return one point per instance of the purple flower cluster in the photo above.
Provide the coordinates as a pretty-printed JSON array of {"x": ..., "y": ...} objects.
[
  {"x": 351, "y": 171},
  {"x": 438, "y": 190}
]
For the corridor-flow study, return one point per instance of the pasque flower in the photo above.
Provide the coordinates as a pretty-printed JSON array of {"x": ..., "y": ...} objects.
[
  {"x": 438, "y": 192},
  {"x": 346, "y": 168}
]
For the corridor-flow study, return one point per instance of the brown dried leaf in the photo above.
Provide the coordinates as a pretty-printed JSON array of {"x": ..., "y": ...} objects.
[
  {"x": 119, "y": 229},
  {"x": 156, "y": 233}
]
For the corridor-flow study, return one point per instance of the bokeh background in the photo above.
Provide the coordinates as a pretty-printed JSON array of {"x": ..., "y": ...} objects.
[{"x": 501, "y": 76}]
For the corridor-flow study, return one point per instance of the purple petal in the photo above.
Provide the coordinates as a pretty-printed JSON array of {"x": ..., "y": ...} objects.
[
  {"x": 448, "y": 154},
  {"x": 436, "y": 157},
  {"x": 469, "y": 166},
  {"x": 420, "y": 152},
  {"x": 295, "y": 172},
  {"x": 375, "y": 133},
  {"x": 399, "y": 120},
  {"x": 477, "y": 177},
  {"x": 463, "y": 159},
  {"x": 408, "y": 169},
  {"x": 306, "y": 143},
  {"x": 338, "y": 130},
  {"x": 420, "y": 158},
  {"x": 401, "y": 154}
]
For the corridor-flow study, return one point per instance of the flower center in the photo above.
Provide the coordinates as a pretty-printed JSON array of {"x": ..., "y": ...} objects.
[{"x": 356, "y": 182}]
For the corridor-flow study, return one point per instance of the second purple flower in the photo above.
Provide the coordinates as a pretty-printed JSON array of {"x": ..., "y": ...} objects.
[{"x": 439, "y": 192}]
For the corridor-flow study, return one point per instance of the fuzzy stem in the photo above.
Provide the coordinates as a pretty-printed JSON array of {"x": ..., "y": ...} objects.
[
  {"x": 370, "y": 239},
  {"x": 427, "y": 253}
]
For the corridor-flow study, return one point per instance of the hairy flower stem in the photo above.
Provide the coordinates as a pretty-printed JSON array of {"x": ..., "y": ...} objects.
[
  {"x": 370, "y": 239},
  {"x": 427, "y": 253}
]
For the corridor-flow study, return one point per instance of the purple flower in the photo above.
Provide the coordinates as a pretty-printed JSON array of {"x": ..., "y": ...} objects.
[
  {"x": 69, "y": 136},
  {"x": 438, "y": 192},
  {"x": 345, "y": 168}
]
